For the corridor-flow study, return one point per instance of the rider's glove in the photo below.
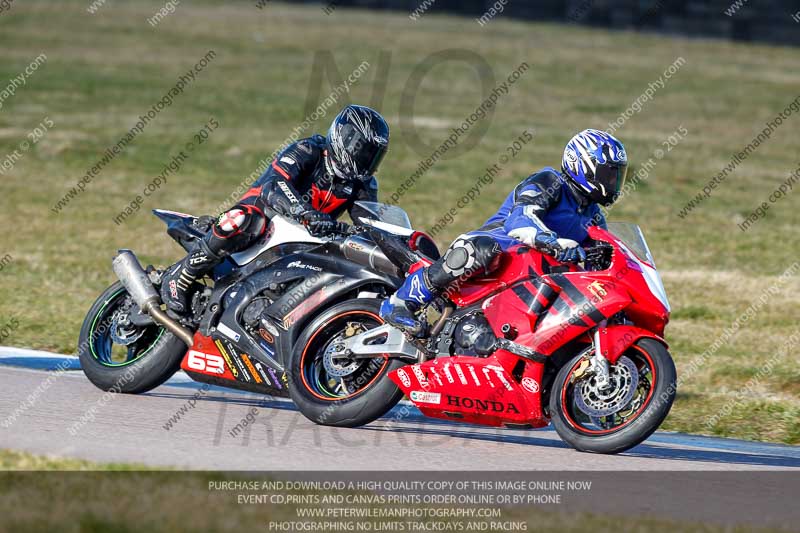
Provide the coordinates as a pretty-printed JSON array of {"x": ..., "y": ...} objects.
[
  {"x": 564, "y": 250},
  {"x": 574, "y": 254},
  {"x": 544, "y": 241},
  {"x": 318, "y": 223}
]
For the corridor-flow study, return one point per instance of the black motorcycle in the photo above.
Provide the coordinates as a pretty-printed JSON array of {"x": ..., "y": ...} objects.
[{"x": 269, "y": 319}]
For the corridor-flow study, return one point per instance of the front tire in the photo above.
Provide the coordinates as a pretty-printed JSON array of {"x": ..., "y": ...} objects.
[
  {"x": 123, "y": 358},
  {"x": 640, "y": 408},
  {"x": 336, "y": 392}
]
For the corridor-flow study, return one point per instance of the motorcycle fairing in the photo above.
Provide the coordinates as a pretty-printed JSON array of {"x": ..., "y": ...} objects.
[
  {"x": 218, "y": 361},
  {"x": 615, "y": 340},
  {"x": 493, "y": 391},
  {"x": 320, "y": 276},
  {"x": 517, "y": 264}
]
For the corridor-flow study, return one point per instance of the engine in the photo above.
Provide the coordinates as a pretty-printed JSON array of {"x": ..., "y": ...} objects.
[{"x": 474, "y": 336}]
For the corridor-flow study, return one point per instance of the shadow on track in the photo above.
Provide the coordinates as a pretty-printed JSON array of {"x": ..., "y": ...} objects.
[{"x": 665, "y": 446}]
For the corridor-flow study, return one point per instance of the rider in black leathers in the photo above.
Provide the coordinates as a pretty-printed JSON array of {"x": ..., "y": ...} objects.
[{"x": 313, "y": 181}]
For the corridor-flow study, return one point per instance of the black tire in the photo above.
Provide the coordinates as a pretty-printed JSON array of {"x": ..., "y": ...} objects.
[
  {"x": 366, "y": 403},
  {"x": 158, "y": 358},
  {"x": 641, "y": 424}
]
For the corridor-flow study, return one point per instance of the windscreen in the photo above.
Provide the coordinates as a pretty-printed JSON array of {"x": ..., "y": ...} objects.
[
  {"x": 390, "y": 214},
  {"x": 631, "y": 235}
]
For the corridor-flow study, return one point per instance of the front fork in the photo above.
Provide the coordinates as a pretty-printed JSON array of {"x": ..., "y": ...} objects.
[
  {"x": 598, "y": 363},
  {"x": 608, "y": 345}
]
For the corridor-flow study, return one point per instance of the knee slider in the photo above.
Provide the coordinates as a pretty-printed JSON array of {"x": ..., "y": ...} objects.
[
  {"x": 236, "y": 229},
  {"x": 471, "y": 255}
]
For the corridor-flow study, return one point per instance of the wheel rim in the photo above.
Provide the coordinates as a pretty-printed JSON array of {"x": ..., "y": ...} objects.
[
  {"x": 331, "y": 379},
  {"x": 594, "y": 412},
  {"x": 107, "y": 334}
]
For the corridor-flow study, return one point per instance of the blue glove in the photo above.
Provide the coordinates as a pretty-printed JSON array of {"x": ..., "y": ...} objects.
[{"x": 575, "y": 254}]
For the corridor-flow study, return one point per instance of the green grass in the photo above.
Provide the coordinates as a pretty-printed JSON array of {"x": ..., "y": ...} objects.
[
  {"x": 104, "y": 70},
  {"x": 11, "y": 460}
]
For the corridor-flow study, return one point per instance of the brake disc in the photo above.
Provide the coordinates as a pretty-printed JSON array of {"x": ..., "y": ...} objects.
[
  {"x": 340, "y": 366},
  {"x": 123, "y": 332},
  {"x": 596, "y": 402}
]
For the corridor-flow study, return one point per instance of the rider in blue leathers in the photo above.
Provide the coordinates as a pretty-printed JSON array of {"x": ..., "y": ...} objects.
[{"x": 549, "y": 211}]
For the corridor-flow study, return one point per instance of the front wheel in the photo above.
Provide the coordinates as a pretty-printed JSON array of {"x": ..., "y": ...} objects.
[
  {"x": 617, "y": 418},
  {"x": 117, "y": 355},
  {"x": 341, "y": 392}
]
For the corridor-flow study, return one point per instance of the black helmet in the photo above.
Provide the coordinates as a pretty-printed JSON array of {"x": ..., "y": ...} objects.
[{"x": 357, "y": 141}]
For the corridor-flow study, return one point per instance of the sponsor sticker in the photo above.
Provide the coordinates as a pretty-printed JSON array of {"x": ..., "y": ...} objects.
[
  {"x": 266, "y": 335},
  {"x": 224, "y": 353},
  {"x": 448, "y": 374},
  {"x": 251, "y": 368},
  {"x": 270, "y": 328},
  {"x": 275, "y": 379},
  {"x": 488, "y": 374},
  {"x": 499, "y": 373},
  {"x": 460, "y": 373},
  {"x": 474, "y": 375},
  {"x": 262, "y": 373},
  {"x": 228, "y": 332},
  {"x": 420, "y": 375},
  {"x": 426, "y": 397},
  {"x": 205, "y": 362},
  {"x": 404, "y": 377},
  {"x": 530, "y": 385},
  {"x": 300, "y": 264}
]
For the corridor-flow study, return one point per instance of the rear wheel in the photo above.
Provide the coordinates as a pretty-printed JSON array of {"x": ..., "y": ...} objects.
[
  {"x": 341, "y": 392},
  {"x": 617, "y": 418},
  {"x": 116, "y": 355}
]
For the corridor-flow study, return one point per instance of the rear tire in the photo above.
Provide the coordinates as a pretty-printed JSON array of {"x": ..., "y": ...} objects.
[
  {"x": 149, "y": 362},
  {"x": 354, "y": 399},
  {"x": 601, "y": 435}
]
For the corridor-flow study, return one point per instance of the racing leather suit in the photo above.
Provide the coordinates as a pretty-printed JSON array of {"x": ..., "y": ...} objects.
[{"x": 295, "y": 185}]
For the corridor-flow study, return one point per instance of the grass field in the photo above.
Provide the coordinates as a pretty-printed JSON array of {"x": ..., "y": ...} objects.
[{"x": 103, "y": 71}]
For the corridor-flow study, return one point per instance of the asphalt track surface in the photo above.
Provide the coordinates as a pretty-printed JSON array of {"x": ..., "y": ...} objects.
[{"x": 39, "y": 407}]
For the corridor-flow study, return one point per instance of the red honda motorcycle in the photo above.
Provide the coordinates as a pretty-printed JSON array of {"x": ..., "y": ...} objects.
[{"x": 539, "y": 341}]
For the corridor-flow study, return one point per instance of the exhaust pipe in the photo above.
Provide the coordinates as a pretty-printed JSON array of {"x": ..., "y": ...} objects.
[{"x": 135, "y": 280}]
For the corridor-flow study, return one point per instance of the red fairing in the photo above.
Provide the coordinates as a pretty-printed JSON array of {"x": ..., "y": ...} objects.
[
  {"x": 541, "y": 305},
  {"x": 205, "y": 357},
  {"x": 476, "y": 390},
  {"x": 615, "y": 340},
  {"x": 515, "y": 265}
]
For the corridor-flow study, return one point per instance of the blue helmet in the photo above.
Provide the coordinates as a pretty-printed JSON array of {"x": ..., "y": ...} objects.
[{"x": 596, "y": 162}]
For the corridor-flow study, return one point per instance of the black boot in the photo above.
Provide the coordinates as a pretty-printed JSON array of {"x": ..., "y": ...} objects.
[{"x": 178, "y": 279}]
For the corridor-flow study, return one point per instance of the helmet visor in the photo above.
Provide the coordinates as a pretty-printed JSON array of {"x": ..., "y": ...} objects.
[
  {"x": 366, "y": 154},
  {"x": 610, "y": 178}
]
